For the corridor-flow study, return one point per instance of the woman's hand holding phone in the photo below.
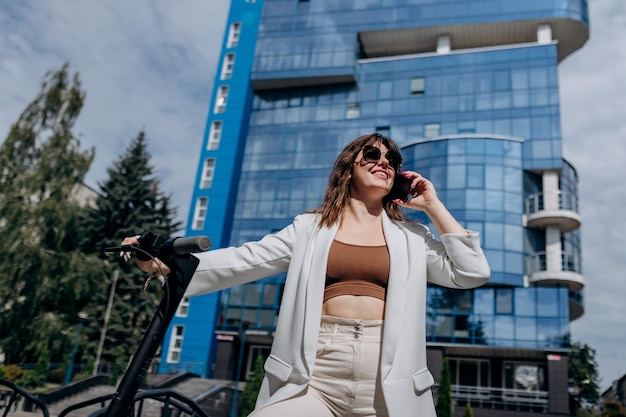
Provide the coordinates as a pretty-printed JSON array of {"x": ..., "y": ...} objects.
[{"x": 412, "y": 190}]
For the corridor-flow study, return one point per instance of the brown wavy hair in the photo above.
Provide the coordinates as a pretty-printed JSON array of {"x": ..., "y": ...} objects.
[{"x": 337, "y": 196}]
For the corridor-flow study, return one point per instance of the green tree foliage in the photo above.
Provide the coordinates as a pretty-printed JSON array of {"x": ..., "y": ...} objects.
[
  {"x": 36, "y": 377},
  {"x": 129, "y": 202},
  {"x": 613, "y": 409},
  {"x": 253, "y": 385},
  {"x": 45, "y": 280},
  {"x": 583, "y": 375},
  {"x": 444, "y": 392},
  {"x": 588, "y": 412}
]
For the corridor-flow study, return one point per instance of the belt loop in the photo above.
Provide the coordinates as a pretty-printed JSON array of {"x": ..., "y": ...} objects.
[{"x": 335, "y": 331}]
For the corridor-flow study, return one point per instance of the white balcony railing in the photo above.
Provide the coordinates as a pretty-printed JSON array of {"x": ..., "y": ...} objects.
[
  {"x": 533, "y": 401},
  {"x": 541, "y": 201},
  {"x": 537, "y": 262},
  {"x": 555, "y": 209}
]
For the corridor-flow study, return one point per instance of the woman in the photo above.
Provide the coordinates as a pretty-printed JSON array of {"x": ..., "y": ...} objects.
[{"x": 350, "y": 337}]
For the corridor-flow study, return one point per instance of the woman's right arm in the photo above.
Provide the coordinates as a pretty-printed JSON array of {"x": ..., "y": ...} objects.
[
  {"x": 228, "y": 267},
  {"x": 233, "y": 266}
]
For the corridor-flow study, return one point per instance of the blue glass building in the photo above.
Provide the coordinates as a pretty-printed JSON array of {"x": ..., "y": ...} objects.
[{"x": 469, "y": 89}]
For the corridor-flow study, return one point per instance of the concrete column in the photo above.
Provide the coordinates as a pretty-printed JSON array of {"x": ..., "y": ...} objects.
[
  {"x": 443, "y": 44},
  {"x": 544, "y": 34},
  {"x": 553, "y": 249},
  {"x": 550, "y": 183}
]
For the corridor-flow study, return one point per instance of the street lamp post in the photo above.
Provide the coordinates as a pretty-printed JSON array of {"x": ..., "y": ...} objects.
[
  {"x": 107, "y": 315},
  {"x": 70, "y": 367}
]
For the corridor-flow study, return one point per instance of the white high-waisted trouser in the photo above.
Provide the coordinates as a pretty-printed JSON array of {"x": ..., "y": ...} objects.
[{"x": 346, "y": 376}]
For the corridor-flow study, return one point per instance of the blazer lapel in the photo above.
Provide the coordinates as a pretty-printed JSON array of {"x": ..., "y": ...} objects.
[
  {"x": 396, "y": 288},
  {"x": 315, "y": 272}
]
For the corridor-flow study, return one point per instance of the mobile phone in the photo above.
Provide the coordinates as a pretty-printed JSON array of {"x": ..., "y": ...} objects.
[{"x": 401, "y": 188}]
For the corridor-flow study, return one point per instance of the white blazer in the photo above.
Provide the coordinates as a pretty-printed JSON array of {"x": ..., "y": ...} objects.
[{"x": 301, "y": 249}]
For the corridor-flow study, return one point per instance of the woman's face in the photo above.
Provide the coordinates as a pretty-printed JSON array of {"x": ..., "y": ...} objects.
[{"x": 373, "y": 172}]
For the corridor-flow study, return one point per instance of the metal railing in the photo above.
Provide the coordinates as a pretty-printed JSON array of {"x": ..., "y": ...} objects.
[
  {"x": 506, "y": 399},
  {"x": 537, "y": 262},
  {"x": 73, "y": 388},
  {"x": 537, "y": 202},
  {"x": 15, "y": 398},
  {"x": 171, "y": 403}
]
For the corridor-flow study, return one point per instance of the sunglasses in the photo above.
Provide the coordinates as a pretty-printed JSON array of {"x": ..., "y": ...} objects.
[{"x": 372, "y": 154}]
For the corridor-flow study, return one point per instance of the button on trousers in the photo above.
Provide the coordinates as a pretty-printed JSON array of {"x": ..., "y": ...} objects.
[{"x": 346, "y": 375}]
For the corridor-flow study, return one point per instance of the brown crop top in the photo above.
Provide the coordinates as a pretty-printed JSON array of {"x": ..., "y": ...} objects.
[{"x": 356, "y": 270}]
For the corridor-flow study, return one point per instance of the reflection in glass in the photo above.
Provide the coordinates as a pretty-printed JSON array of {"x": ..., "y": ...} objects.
[
  {"x": 527, "y": 377},
  {"x": 504, "y": 301},
  {"x": 547, "y": 303},
  {"x": 504, "y": 329}
]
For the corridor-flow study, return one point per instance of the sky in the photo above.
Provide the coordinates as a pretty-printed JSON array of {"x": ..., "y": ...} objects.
[{"x": 149, "y": 65}]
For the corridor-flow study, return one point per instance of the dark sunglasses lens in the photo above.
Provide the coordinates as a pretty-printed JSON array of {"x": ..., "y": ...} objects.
[
  {"x": 371, "y": 154},
  {"x": 393, "y": 159}
]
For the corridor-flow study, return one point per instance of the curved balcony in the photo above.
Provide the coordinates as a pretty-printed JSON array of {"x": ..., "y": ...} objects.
[
  {"x": 576, "y": 308},
  {"x": 569, "y": 274},
  {"x": 553, "y": 209}
]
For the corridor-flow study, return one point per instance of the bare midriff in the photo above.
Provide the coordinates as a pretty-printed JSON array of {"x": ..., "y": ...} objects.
[{"x": 355, "y": 307}]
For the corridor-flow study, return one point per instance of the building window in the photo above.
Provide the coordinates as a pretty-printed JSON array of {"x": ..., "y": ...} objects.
[
  {"x": 504, "y": 301},
  {"x": 470, "y": 373},
  {"x": 227, "y": 67},
  {"x": 353, "y": 111},
  {"x": 383, "y": 130},
  {"x": 183, "y": 308},
  {"x": 207, "y": 173},
  {"x": 417, "y": 86},
  {"x": 464, "y": 301},
  {"x": 431, "y": 130},
  {"x": 255, "y": 352},
  {"x": 215, "y": 135},
  {"x": 199, "y": 215},
  {"x": 176, "y": 344},
  {"x": 222, "y": 98},
  {"x": 233, "y": 35},
  {"x": 526, "y": 377}
]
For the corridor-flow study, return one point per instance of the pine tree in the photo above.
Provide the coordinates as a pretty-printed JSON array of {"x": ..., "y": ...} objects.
[
  {"x": 444, "y": 392},
  {"x": 253, "y": 385},
  {"x": 130, "y": 202},
  {"x": 583, "y": 377},
  {"x": 44, "y": 280}
]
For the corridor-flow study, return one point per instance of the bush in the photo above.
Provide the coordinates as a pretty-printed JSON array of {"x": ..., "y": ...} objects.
[
  {"x": 12, "y": 372},
  {"x": 38, "y": 376},
  {"x": 31, "y": 379},
  {"x": 56, "y": 376},
  {"x": 468, "y": 411}
]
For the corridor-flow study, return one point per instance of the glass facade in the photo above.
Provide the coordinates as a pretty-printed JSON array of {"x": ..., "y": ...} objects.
[
  {"x": 475, "y": 110},
  {"x": 534, "y": 318}
]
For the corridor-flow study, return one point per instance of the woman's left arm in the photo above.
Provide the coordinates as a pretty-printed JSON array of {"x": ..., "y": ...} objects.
[{"x": 457, "y": 260}]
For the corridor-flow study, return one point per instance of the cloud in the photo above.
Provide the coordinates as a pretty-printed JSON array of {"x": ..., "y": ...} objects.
[
  {"x": 593, "y": 99},
  {"x": 144, "y": 65}
]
